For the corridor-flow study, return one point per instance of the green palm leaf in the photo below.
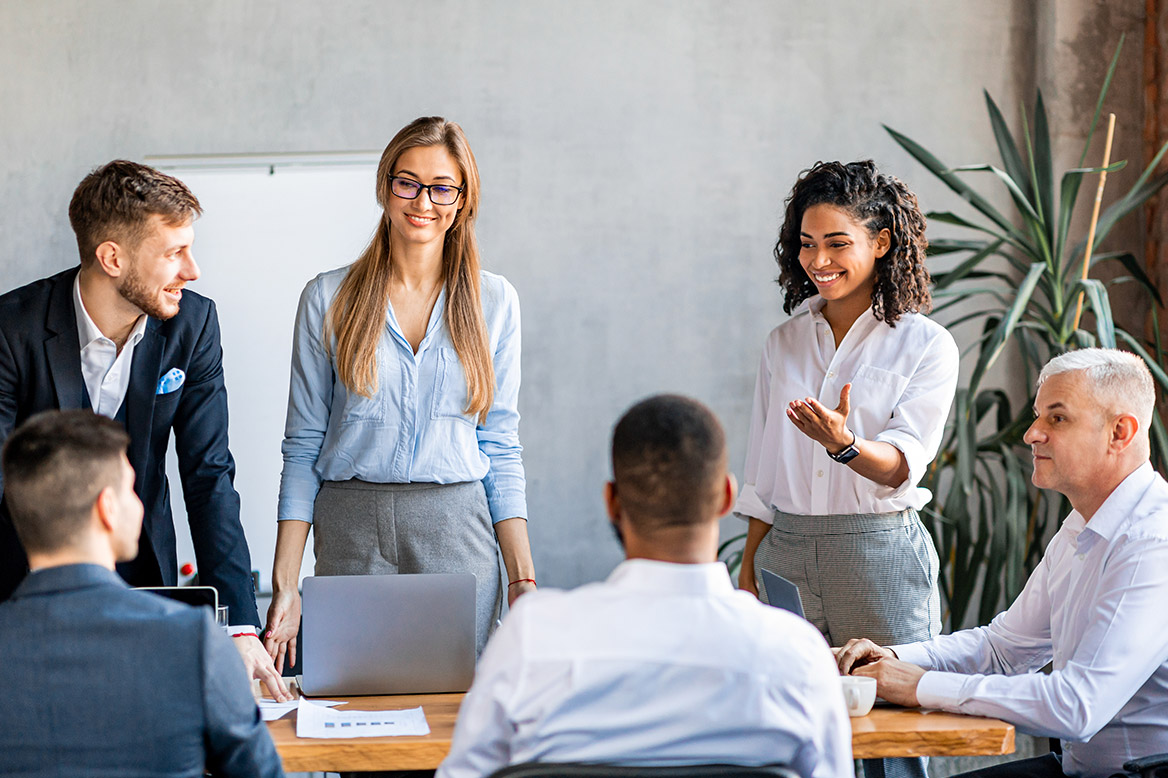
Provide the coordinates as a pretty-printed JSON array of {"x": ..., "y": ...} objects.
[
  {"x": 1097, "y": 301},
  {"x": 1044, "y": 170},
  {"x": 1001, "y": 338},
  {"x": 1011, "y": 159},
  {"x": 954, "y": 182},
  {"x": 1132, "y": 265}
]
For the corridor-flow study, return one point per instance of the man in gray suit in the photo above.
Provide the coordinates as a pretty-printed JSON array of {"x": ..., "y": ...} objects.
[{"x": 97, "y": 677}]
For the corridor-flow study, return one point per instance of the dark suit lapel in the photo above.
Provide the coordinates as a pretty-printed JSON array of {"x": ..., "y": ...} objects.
[
  {"x": 144, "y": 372},
  {"x": 62, "y": 346}
]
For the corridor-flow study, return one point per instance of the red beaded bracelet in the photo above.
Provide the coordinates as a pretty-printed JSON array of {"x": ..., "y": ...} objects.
[{"x": 521, "y": 580}]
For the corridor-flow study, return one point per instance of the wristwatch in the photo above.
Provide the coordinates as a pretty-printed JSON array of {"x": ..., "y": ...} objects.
[{"x": 848, "y": 454}]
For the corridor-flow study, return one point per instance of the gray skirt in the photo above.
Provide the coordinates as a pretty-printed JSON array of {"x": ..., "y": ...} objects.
[
  {"x": 859, "y": 575},
  {"x": 363, "y": 528}
]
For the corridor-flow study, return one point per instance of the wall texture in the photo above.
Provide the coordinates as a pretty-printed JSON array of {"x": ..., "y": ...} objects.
[{"x": 634, "y": 156}]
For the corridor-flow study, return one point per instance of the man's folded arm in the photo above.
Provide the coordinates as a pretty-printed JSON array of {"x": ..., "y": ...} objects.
[
  {"x": 1016, "y": 641},
  {"x": 1117, "y": 654}
]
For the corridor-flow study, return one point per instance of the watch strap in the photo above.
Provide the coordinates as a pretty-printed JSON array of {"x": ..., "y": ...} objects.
[{"x": 849, "y": 453}]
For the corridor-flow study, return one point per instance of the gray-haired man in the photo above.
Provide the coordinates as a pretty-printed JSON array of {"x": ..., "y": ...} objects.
[{"x": 1094, "y": 606}]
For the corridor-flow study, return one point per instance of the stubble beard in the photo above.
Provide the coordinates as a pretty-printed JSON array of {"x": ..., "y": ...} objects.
[{"x": 135, "y": 292}]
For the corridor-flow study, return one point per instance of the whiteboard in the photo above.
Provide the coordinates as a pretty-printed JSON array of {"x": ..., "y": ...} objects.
[{"x": 269, "y": 225}]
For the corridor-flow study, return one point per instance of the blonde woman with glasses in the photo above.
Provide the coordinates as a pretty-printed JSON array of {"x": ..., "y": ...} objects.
[{"x": 401, "y": 448}]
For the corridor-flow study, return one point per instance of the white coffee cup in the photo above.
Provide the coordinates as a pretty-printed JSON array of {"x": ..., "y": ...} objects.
[{"x": 859, "y": 693}]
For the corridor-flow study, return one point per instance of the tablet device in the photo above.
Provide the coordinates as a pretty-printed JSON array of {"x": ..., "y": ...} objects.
[{"x": 781, "y": 593}]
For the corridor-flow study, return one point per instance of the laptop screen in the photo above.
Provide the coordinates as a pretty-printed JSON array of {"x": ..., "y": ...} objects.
[{"x": 190, "y": 595}]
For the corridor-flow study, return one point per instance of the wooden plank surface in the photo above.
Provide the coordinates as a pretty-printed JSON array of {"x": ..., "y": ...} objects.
[
  {"x": 371, "y": 753},
  {"x": 894, "y": 731},
  {"x": 885, "y": 732}
]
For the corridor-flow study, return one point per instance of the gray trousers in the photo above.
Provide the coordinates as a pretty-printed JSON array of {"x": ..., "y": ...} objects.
[
  {"x": 362, "y": 528},
  {"x": 860, "y": 576}
]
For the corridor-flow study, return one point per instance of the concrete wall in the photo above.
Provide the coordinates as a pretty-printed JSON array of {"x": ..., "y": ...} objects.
[{"x": 634, "y": 156}]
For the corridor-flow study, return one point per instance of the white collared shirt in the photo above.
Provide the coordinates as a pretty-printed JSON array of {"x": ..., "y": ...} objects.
[
  {"x": 1095, "y": 608},
  {"x": 660, "y": 664},
  {"x": 106, "y": 372},
  {"x": 903, "y": 380}
]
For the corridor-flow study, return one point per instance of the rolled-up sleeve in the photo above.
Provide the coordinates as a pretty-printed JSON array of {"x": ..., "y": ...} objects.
[
  {"x": 310, "y": 396},
  {"x": 918, "y": 419},
  {"x": 498, "y": 436}
]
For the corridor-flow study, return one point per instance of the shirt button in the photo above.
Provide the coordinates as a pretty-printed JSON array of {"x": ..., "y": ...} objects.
[
  {"x": 819, "y": 474},
  {"x": 831, "y": 374}
]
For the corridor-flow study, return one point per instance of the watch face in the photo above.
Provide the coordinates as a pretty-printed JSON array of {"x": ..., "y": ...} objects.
[{"x": 845, "y": 456}]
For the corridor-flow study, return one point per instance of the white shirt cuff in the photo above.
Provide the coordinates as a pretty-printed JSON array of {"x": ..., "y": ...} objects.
[
  {"x": 914, "y": 653},
  {"x": 242, "y": 629},
  {"x": 940, "y": 690},
  {"x": 749, "y": 506}
]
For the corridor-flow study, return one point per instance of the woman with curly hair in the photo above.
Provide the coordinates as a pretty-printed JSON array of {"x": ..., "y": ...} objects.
[{"x": 849, "y": 409}]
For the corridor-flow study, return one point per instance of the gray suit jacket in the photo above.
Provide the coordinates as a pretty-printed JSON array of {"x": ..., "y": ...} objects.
[{"x": 99, "y": 679}]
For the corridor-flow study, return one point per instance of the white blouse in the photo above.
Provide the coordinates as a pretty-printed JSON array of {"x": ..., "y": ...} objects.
[{"x": 903, "y": 381}]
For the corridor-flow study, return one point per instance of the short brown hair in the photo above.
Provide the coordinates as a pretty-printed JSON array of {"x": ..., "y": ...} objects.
[
  {"x": 668, "y": 462},
  {"x": 55, "y": 465},
  {"x": 116, "y": 201}
]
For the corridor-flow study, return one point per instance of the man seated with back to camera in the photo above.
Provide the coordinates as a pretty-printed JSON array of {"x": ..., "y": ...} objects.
[
  {"x": 665, "y": 662},
  {"x": 100, "y": 679},
  {"x": 1094, "y": 607}
]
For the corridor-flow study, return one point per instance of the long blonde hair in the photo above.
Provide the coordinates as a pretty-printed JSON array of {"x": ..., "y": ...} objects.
[{"x": 357, "y": 314}]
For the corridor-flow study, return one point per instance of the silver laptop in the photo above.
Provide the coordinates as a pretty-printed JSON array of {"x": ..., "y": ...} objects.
[
  {"x": 388, "y": 634},
  {"x": 781, "y": 593}
]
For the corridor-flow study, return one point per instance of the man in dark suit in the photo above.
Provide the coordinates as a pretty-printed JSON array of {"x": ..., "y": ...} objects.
[
  {"x": 111, "y": 336},
  {"x": 99, "y": 678}
]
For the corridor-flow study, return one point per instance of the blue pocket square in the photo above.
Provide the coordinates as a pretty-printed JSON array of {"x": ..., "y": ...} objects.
[{"x": 171, "y": 381}]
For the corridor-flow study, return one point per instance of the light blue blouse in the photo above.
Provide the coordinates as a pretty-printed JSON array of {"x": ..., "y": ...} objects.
[{"x": 413, "y": 429}]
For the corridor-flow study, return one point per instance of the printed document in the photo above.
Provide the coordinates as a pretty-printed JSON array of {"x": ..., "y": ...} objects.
[{"x": 313, "y": 720}]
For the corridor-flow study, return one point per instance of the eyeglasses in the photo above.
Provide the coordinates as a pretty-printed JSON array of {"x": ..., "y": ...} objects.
[{"x": 409, "y": 189}]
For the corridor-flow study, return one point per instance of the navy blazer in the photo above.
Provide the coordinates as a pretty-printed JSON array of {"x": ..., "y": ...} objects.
[
  {"x": 100, "y": 679},
  {"x": 40, "y": 369}
]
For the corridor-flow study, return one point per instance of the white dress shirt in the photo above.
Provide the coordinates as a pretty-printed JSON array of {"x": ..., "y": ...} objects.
[
  {"x": 106, "y": 372},
  {"x": 660, "y": 664},
  {"x": 1095, "y": 609},
  {"x": 903, "y": 380}
]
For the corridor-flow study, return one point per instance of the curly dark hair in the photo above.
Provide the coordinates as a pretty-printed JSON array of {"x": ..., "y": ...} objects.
[{"x": 878, "y": 202}]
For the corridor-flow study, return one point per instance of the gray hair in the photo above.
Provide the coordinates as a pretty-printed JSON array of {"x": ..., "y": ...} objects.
[{"x": 1121, "y": 381}]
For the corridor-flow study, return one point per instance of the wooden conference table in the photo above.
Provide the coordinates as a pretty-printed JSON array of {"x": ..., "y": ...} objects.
[{"x": 882, "y": 733}]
